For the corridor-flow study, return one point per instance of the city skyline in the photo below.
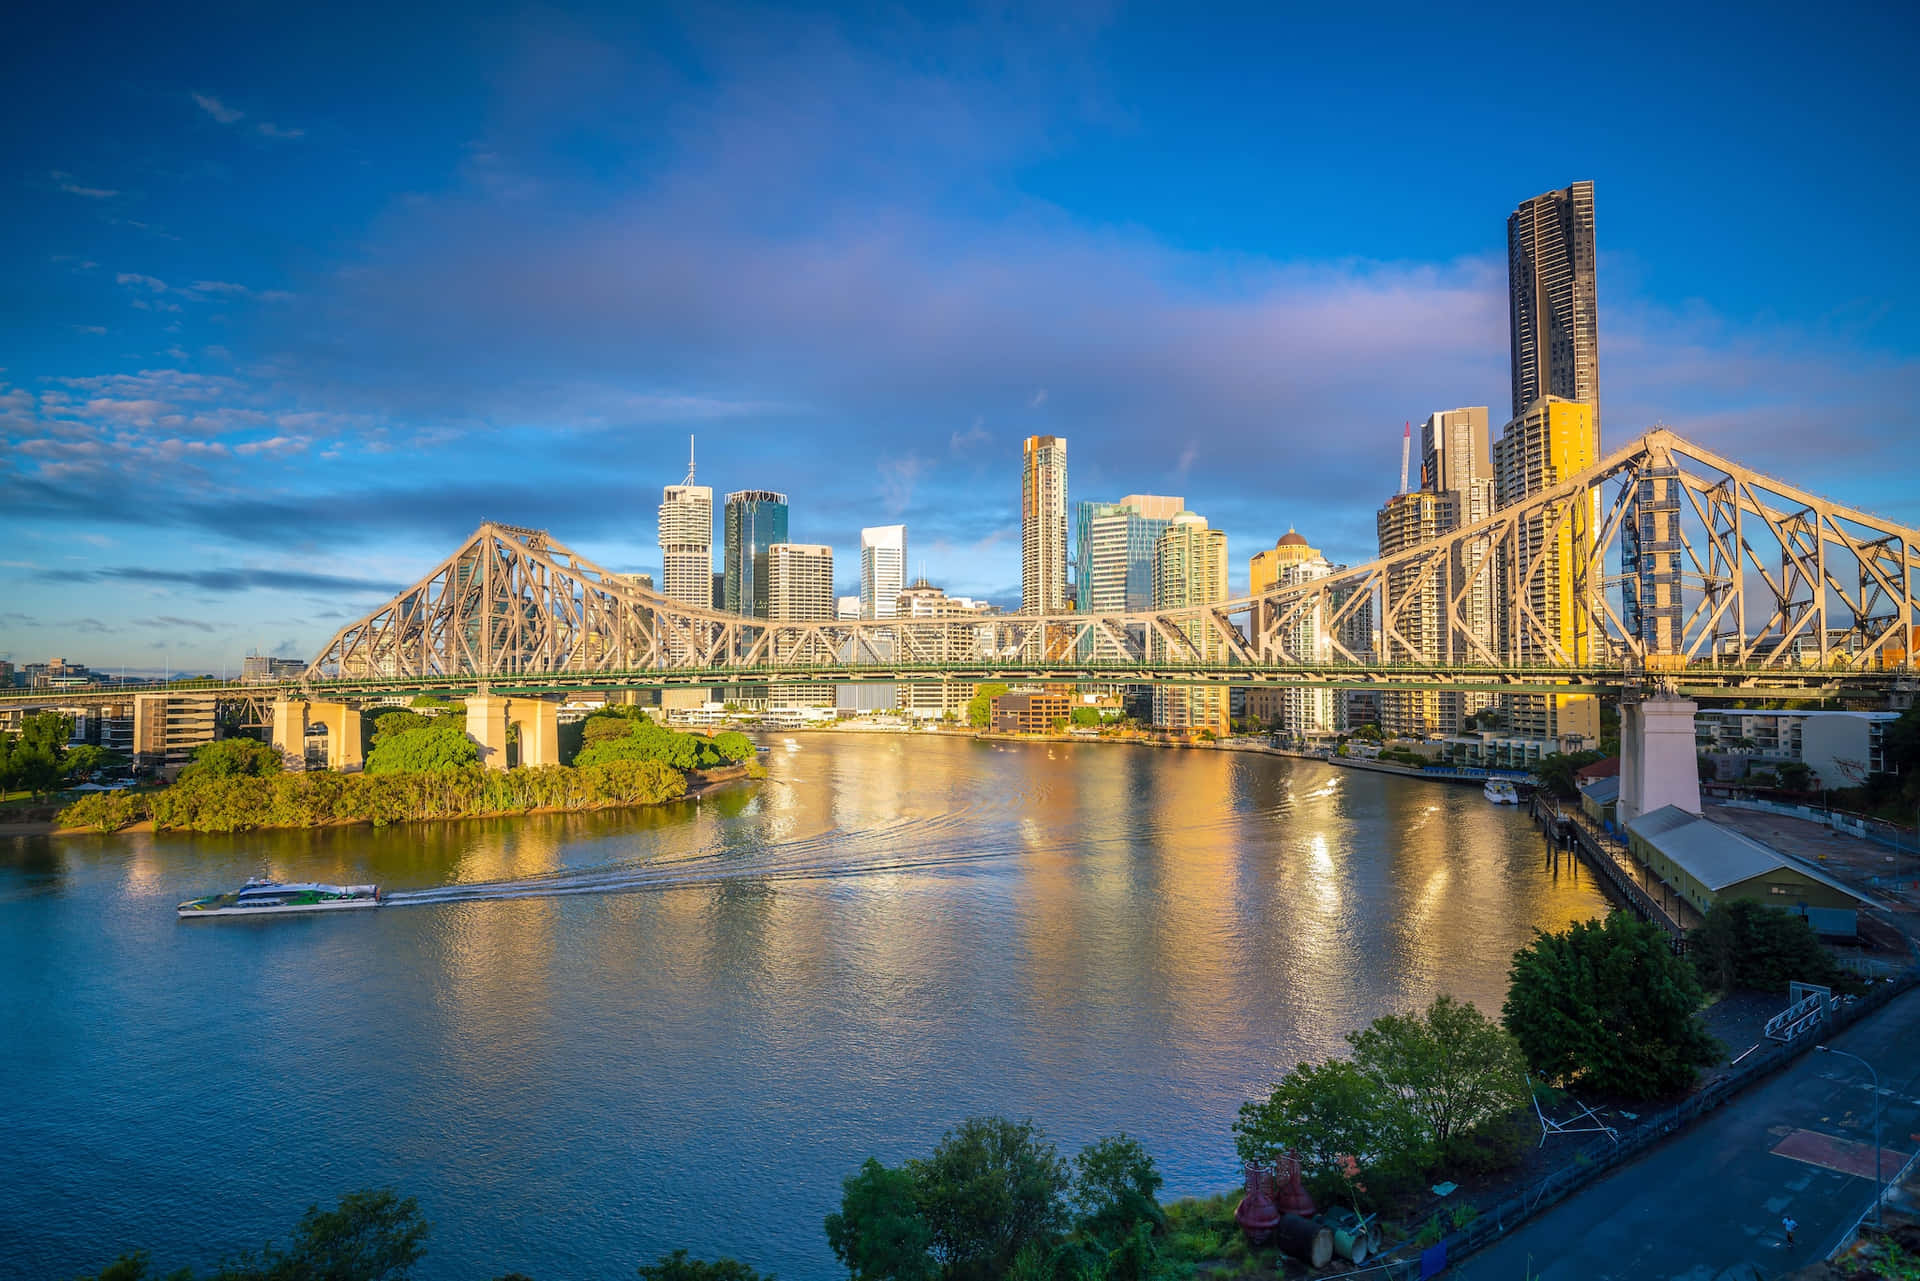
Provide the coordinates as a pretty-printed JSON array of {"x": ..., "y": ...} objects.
[{"x": 311, "y": 400}]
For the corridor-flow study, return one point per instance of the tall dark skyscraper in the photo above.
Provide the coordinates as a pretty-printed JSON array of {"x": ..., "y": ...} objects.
[
  {"x": 756, "y": 520},
  {"x": 1556, "y": 328}
]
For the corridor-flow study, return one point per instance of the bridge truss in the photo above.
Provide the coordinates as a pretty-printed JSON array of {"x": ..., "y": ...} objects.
[{"x": 1661, "y": 557}]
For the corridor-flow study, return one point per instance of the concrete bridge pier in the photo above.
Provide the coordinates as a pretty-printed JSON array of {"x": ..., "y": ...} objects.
[
  {"x": 291, "y": 716},
  {"x": 1658, "y": 762},
  {"x": 489, "y": 715}
]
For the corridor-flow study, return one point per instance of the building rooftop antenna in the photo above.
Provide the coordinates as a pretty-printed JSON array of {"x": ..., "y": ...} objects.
[
  {"x": 1406, "y": 447},
  {"x": 689, "y": 479}
]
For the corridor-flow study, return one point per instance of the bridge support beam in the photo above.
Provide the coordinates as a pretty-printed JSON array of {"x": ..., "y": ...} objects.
[
  {"x": 291, "y": 716},
  {"x": 487, "y": 727},
  {"x": 1659, "y": 765},
  {"x": 539, "y": 722}
]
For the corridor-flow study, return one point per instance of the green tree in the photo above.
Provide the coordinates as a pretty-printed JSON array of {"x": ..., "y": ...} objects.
[
  {"x": 733, "y": 746},
  {"x": 678, "y": 1267},
  {"x": 1116, "y": 1189},
  {"x": 434, "y": 749},
  {"x": 27, "y": 766},
  {"x": 232, "y": 758},
  {"x": 388, "y": 724},
  {"x": 980, "y": 706},
  {"x": 990, "y": 1187},
  {"x": 83, "y": 760},
  {"x": 1607, "y": 1005},
  {"x": 373, "y": 1235},
  {"x": 103, "y": 811},
  {"x": 598, "y": 728},
  {"x": 878, "y": 1233},
  {"x": 47, "y": 731},
  {"x": 1085, "y": 716},
  {"x": 1746, "y": 945},
  {"x": 134, "y": 1267},
  {"x": 1326, "y": 1112},
  {"x": 1453, "y": 1069}
]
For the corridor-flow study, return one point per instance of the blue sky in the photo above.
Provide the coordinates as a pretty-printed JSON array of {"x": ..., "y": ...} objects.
[{"x": 294, "y": 301}]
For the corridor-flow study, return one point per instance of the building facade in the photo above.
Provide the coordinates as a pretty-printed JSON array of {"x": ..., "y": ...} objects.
[
  {"x": 756, "y": 519},
  {"x": 883, "y": 569},
  {"x": 1265, "y": 571},
  {"x": 1043, "y": 526},
  {"x": 1456, "y": 462},
  {"x": 799, "y": 590},
  {"x": 1412, "y": 611},
  {"x": 1545, "y": 579},
  {"x": 960, "y": 642},
  {"x": 1550, "y": 292},
  {"x": 1029, "y": 712},
  {"x": 1190, "y": 568}
]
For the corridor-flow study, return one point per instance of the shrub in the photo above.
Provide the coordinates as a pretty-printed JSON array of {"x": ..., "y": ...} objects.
[{"x": 104, "y": 811}]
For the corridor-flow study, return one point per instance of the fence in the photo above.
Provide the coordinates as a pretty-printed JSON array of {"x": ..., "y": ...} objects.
[
  {"x": 1604, "y": 861},
  {"x": 1598, "y": 1157},
  {"x": 1864, "y": 826}
]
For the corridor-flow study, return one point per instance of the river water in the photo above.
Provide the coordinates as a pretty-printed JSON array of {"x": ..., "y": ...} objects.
[{"x": 584, "y": 1040}]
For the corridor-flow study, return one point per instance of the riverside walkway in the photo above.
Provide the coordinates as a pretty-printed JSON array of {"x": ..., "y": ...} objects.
[{"x": 1710, "y": 1201}]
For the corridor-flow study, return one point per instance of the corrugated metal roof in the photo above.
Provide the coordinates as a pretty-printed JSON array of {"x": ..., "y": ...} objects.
[
  {"x": 1718, "y": 856},
  {"x": 1603, "y": 790}
]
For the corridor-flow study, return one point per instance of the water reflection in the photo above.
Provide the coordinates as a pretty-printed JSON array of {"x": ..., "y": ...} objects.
[{"x": 886, "y": 935}]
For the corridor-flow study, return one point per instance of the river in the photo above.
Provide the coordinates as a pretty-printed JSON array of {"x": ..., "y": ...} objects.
[{"x": 631, "y": 1031}]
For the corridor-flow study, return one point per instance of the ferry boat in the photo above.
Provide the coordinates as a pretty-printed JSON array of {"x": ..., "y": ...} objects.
[
  {"x": 1501, "y": 792},
  {"x": 261, "y": 897}
]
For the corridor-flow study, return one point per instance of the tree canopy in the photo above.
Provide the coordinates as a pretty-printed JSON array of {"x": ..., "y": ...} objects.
[
  {"x": 1745, "y": 945},
  {"x": 1607, "y": 1004},
  {"x": 442, "y": 745},
  {"x": 232, "y": 758},
  {"x": 980, "y": 706}
]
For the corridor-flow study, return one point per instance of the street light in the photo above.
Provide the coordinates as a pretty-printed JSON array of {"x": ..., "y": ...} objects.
[{"x": 1877, "y": 1189}]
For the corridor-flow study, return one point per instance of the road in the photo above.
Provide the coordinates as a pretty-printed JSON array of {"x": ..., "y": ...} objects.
[{"x": 1712, "y": 1199}]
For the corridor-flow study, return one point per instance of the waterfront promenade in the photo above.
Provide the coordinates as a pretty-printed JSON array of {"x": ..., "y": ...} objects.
[{"x": 1712, "y": 1199}]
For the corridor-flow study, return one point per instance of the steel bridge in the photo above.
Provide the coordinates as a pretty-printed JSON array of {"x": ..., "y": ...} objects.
[
  {"x": 1663, "y": 563},
  {"x": 1662, "y": 558}
]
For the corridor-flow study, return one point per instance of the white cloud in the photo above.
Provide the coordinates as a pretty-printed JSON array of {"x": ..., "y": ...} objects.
[
  {"x": 135, "y": 279},
  {"x": 266, "y": 130},
  {"x": 217, "y": 109}
]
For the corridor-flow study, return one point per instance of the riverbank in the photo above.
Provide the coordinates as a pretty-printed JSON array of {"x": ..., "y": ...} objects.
[{"x": 592, "y": 789}]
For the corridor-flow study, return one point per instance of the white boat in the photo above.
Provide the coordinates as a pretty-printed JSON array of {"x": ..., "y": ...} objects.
[
  {"x": 1501, "y": 792},
  {"x": 261, "y": 897}
]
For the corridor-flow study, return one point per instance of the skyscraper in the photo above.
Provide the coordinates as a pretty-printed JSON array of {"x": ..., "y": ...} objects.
[
  {"x": 686, "y": 541},
  {"x": 1190, "y": 568},
  {"x": 1550, "y": 291},
  {"x": 1043, "y": 526},
  {"x": 799, "y": 589},
  {"x": 1457, "y": 464},
  {"x": 756, "y": 520},
  {"x": 1265, "y": 568},
  {"x": 1412, "y": 611},
  {"x": 686, "y": 560},
  {"x": 883, "y": 569},
  {"x": 1547, "y": 572}
]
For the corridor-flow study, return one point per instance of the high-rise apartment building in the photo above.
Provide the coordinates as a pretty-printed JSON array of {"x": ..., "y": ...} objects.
[
  {"x": 1305, "y": 713},
  {"x": 1043, "y": 526},
  {"x": 1113, "y": 551},
  {"x": 799, "y": 582},
  {"x": 1412, "y": 611},
  {"x": 1456, "y": 462},
  {"x": 686, "y": 552},
  {"x": 756, "y": 520},
  {"x": 1263, "y": 567},
  {"x": 1550, "y": 291},
  {"x": 1190, "y": 568},
  {"x": 883, "y": 569},
  {"x": 960, "y": 642},
  {"x": 1264, "y": 572},
  {"x": 1547, "y": 574},
  {"x": 799, "y": 589}
]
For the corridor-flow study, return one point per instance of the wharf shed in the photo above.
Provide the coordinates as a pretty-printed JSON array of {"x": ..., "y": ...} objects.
[
  {"x": 1600, "y": 799},
  {"x": 1706, "y": 863}
]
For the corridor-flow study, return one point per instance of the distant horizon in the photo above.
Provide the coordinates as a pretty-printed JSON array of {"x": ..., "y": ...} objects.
[{"x": 272, "y": 356}]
